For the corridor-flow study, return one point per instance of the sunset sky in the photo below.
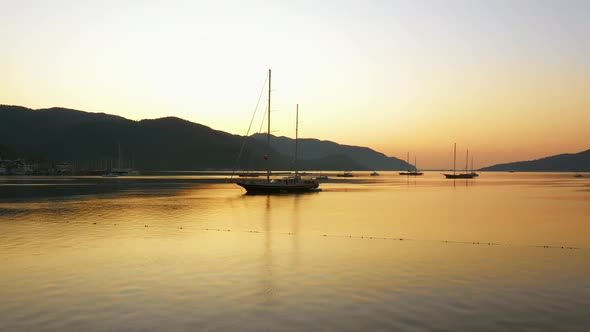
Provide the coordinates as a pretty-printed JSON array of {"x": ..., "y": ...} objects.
[{"x": 510, "y": 80}]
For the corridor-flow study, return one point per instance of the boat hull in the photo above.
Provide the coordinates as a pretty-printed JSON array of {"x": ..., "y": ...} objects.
[
  {"x": 269, "y": 187},
  {"x": 460, "y": 176},
  {"x": 411, "y": 173}
]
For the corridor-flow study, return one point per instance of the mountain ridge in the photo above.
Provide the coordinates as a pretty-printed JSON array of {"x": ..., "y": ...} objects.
[
  {"x": 168, "y": 143},
  {"x": 564, "y": 162}
]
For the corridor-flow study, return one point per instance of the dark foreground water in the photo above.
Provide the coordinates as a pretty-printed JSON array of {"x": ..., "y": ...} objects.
[{"x": 504, "y": 252}]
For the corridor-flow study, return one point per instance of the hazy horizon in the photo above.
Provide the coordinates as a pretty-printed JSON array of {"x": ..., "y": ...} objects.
[{"x": 505, "y": 80}]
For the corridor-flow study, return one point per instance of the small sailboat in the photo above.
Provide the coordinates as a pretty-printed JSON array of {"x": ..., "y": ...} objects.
[
  {"x": 321, "y": 176},
  {"x": 345, "y": 174},
  {"x": 411, "y": 172},
  {"x": 374, "y": 173},
  {"x": 110, "y": 175},
  {"x": 287, "y": 184},
  {"x": 456, "y": 175}
]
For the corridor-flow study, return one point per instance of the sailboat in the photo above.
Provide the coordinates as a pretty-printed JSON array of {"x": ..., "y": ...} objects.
[
  {"x": 456, "y": 175},
  {"x": 287, "y": 184},
  {"x": 321, "y": 176},
  {"x": 414, "y": 171}
]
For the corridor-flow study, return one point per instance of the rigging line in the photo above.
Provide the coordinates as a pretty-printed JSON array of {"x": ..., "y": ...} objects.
[
  {"x": 263, "y": 118},
  {"x": 249, "y": 127}
]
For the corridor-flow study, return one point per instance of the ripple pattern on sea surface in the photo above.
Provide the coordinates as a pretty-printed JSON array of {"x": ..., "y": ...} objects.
[{"x": 196, "y": 256}]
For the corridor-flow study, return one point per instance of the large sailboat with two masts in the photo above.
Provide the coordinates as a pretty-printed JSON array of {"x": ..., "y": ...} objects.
[
  {"x": 414, "y": 171},
  {"x": 295, "y": 183},
  {"x": 455, "y": 175}
]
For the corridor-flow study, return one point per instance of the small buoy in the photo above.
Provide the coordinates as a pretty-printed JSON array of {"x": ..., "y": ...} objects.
[{"x": 94, "y": 223}]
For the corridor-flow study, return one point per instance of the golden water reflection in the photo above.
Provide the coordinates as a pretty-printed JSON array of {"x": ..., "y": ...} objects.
[{"x": 367, "y": 255}]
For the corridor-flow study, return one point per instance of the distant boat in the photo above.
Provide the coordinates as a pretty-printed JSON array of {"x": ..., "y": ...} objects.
[
  {"x": 120, "y": 170},
  {"x": 322, "y": 177},
  {"x": 411, "y": 172},
  {"x": 345, "y": 174},
  {"x": 511, "y": 171},
  {"x": 578, "y": 175},
  {"x": 456, "y": 175},
  {"x": 286, "y": 184},
  {"x": 125, "y": 171},
  {"x": 374, "y": 173},
  {"x": 110, "y": 175}
]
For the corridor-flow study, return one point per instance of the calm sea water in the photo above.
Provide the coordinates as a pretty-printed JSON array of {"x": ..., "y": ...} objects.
[{"x": 508, "y": 252}]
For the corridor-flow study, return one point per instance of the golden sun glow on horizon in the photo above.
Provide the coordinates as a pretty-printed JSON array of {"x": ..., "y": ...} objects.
[{"x": 506, "y": 80}]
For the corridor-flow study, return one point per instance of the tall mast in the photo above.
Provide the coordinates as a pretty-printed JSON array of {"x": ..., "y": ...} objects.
[
  {"x": 466, "y": 161},
  {"x": 472, "y": 163},
  {"x": 415, "y": 165},
  {"x": 454, "y": 158},
  {"x": 296, "y": 137},
  {"x": 268, "y": 134},
  {"x": 408, "y": 157}
]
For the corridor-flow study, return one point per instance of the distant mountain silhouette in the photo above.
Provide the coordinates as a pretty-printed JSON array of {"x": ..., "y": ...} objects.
[
  {"x": 6, "y": 152},
  {"x": 312, "y": 150},
  {"x": 568, "y": 162},
  {"x": 91, "y": 139}
]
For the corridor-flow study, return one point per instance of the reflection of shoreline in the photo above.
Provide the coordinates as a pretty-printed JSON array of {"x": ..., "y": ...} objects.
[{"x": 34, "y": 188}]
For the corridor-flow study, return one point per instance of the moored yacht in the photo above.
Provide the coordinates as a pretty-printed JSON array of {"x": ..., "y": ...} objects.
[{"x": 279, "y": 185}]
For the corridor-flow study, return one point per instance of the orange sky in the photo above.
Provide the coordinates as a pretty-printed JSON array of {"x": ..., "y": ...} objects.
[{"x": 507, "y": 80}]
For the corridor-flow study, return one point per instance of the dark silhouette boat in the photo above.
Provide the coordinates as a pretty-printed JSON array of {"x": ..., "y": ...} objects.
[
  {"x": 345, "y": 174},
  {"x": 287, "y": 184},
  {"x": 455, "y": 175},
  {"x": 411, "y": 172}
]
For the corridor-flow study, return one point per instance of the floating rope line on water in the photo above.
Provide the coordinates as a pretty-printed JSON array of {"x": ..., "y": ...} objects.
[
  {"x": 363, "y": 237},
  {"x": 385, "y": 238}
]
